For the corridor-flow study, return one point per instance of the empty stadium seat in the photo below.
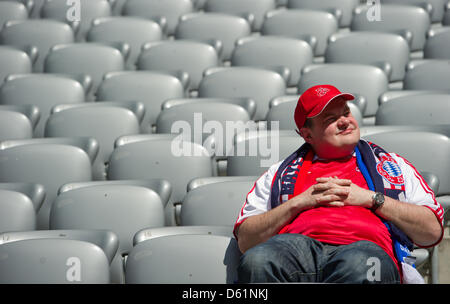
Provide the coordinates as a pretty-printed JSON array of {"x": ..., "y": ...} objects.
[
  {"x": 12, "y": 61},
  {"x": 43, "y": 91},
  {"x": 53, "y": 261},
  {"x": 35, "y": 192},
  {"x": 387, "y": 51},
  {"x": 17, "y": 212},
  {"x": 46, "y": 162},
  {"x": 131, "y": 30},
  {"x": 437, "y": 43},
  {"x": 268, "y": 51},
  {"x": 171, "y": 10},
  {"x": 313, "y": 26},
  {"x": 98, "y": 120},
  {"x": 189, "y": 56},
  {"x": 81, "y": 15},
  {"x": 123, "y": 209},
  {"x": 201, "y": 181},
  {"x": 150, "y": 88},
  {"x": 188, "y": 259},
  {"x": 429, "y": 74},
  {"x": 396, "y": 19},
  {"x": 259, "y": 84},
  {"x": 214, "y": 26},
  {"x": 43, "y": 34},
  {"x": 258, "y": 8},
  {"x": 435, "y": 6},
  {"x": 10, "y": 10},
  {"x": 14, "y": 125},
  {"x": 94, "y": 59},
  {"x": 340, "y": 8}
]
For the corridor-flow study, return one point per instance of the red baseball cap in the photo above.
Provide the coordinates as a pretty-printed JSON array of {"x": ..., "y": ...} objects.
[{"x": 312, "y": 102}]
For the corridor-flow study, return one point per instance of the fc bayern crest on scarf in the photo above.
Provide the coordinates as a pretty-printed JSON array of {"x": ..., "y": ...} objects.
[{"x": 390, "y": 171}]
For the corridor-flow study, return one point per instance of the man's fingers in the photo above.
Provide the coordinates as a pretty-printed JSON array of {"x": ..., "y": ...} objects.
[
  {"x": 332, "y": 188},
  {"x": 338, "y": 181},
  {"x": 328, "y": 198}
]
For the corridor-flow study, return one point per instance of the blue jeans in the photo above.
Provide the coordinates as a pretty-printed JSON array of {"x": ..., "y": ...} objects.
[{"x": 298, "y": 258}]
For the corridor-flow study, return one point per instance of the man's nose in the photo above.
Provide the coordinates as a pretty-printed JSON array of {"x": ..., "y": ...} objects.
[{"x": 343, "y": 122}]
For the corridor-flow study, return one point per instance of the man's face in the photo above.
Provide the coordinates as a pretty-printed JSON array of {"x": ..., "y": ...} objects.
[{"x": 335, "y": 132}]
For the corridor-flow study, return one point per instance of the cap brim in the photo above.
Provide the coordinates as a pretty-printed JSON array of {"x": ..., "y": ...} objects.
[{"x": 347, "y": 96}]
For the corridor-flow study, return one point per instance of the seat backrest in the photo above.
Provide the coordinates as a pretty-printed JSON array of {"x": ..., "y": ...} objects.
[
  {"x": 258, "y": 8},
  {"x": 53, "y": 261},
  {"x": 341, "y": 8},
  {"x": 43, "y": 91},
  {"x": 84, "y": 58},
  {"x": 51, "y": 165},
  {"x": 388, "y": 51},
  {"x": 437, "y": 43},
  {"x": 188, "y": 56},
  {"x": 18, "y": 213},
  {"x": 105, "y": 239},
  {"x": 214, "y": 26},
  {"x": 415, "y": 110},
  {"x": 134, "y": 31},
  {"x": 301, "y": 23},
  {"x": 30, "y": 111},
  {"x": 255, "y": 152},
  {"x": 35, "y": 192},
  {"x": 364, "y": 80},
  {"x": 80, "y": 13},
  {"x": 12, "y": 10},
  {"x": 214, "y": 204},
  {"x": 261, "y": 85},
  {"x": 437, "y": 6},
  {"x": 14, "y": 125},
  {"x": 429, "y": 74},
  {"x": 40, "y": 33},
  {"x": 188, "y": 259},
  {"x": 425, "y": 150},
  {"x": 150, "y": 88},
  {"x": 396, "y": 19},
  {"x": 13, "y": 61},
  {"x": 198, "y": 182},
  {"x": 291, "y": 53}
]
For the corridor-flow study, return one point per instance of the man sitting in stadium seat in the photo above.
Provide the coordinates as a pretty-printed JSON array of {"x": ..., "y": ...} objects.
[{"x": 339, "y": 209}]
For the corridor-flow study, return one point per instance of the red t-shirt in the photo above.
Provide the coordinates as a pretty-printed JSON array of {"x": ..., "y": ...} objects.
[{"x": 339, "y": 225}]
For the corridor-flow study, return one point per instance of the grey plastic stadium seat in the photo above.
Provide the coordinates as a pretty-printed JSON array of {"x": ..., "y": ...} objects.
[
  {"x": 394, "y": 94},
  {"x": 440, "y": 129},
  {"x": 255, "y": 151},
  {"x": 283, "y": 112},
  {"x": 362, "y": 80},
  {"x": 123, "y": 209},
  {"x": 437, "y": 43},
  {"x": 340, "y": 8},
  {"x": 429, "y": 74},
  {"x": 188, "y": 259},
  {"x": 10, "y": 10},
  {"x": 43, "y": 91},
  {"x": 436, "y": 6},
  {"x": 214, "y": 26},
  {"x": 395, "y": 19},
  {"x": 14, "y": 125},
  {"x": 258, "y": 8},
  {"x": 30, "y": 111},
  {"x": 105, "y": 239},
  {"x": 13, "y": 60},
  {"x": 201, "y": 181},
  {"x": 248, "y": 104},
  {"x": 387, "y": 51},
  {"x": 43, "y": 162},
  {"x": 291, "y": 53},
  {"x": 189, "y": 56},
  {"x": 131, "y": 30},
  {"x": 35, "y": 192},
  {"x": 98, "y": 120},
  {"x": 172, "y": 159},
  {"x": 150, "y": 88},
  {"x": 43, "y": 34},
  {"x": 152, "y": 233},
  {"x": 423, "y": 109},
  {"x": 261, "y": 85},
  {"x": 53, "y": 261},
  {"x": 88, "y": 11},
  {"x": 161, "y": 186},
  {"x": 215, "y": 204},
  {"x": 425, "y": 150},
  {"x": 310, "y": 25},
  {"x": 85, "y": 58},
  {"x": 220, "y": 120},
  {"x": 17, "y": 212},
  {"x": 171, "y": 10}
]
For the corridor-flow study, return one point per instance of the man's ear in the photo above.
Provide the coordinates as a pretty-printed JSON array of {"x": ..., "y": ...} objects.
[{"x": 306, "y": 134}]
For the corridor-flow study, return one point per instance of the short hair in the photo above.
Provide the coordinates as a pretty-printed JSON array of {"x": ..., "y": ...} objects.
[{"x": 308, "y": 123}]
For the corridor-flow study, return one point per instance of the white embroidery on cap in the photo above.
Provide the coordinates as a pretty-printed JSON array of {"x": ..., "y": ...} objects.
[{"x": 322, "y": 91}]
